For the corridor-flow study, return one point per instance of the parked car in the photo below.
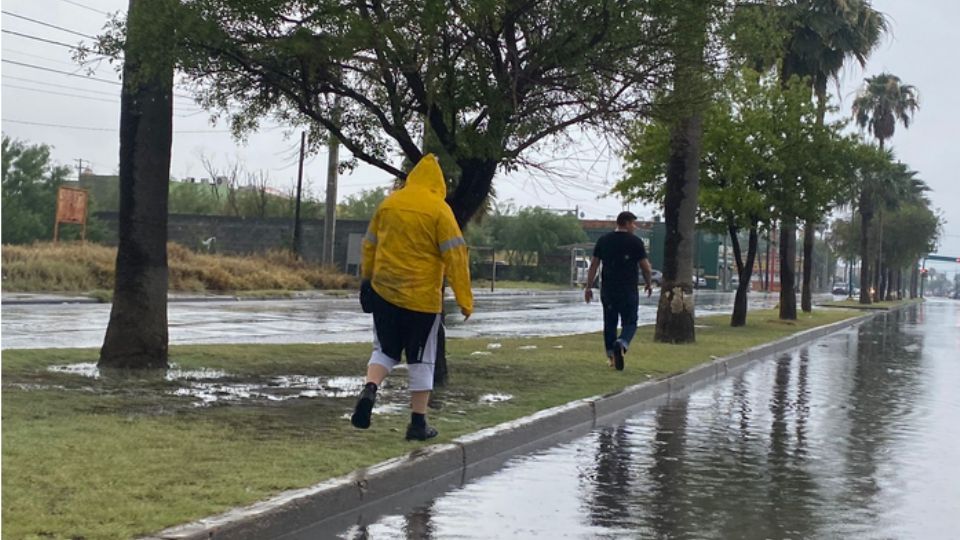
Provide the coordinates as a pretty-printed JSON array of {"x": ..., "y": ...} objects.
[
  {"x": 582, "y": 264},
  {"x": 699, "y": 281},
  {"x": 656, "y": 277},
  {"x": 839, "y": 288},
  {"x": 734, "y": 282}
]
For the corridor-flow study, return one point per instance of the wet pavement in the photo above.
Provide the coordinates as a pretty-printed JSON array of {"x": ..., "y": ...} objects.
[
  {"x": 854, "y": 435},
  {"x": 327, "y": 320}
]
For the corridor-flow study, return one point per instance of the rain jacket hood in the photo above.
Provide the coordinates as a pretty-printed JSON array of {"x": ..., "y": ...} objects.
[
  {"x": 413, "y": 241},
  {"x": 427, "y": 175}
]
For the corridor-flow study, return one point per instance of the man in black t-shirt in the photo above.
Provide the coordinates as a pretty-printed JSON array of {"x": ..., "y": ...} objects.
[{"x": 620, "y": 253}]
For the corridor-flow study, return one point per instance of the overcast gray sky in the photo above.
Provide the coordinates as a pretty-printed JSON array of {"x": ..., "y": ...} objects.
[{"x": 79, "y": 116}]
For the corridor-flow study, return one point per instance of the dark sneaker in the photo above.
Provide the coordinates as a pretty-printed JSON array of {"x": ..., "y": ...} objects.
[
  {"x": 420, "y": 433},
  {"x": 361, "y": 413},
  {"x": 618, "y": 356}
]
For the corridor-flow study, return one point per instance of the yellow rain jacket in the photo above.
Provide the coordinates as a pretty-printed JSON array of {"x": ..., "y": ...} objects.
[{"x": 413, "y": 240}]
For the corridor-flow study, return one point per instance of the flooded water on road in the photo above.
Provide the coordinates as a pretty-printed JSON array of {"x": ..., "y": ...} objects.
[
  {"x": 328, "y": 320},
  {"x": 854, "y": 436}
]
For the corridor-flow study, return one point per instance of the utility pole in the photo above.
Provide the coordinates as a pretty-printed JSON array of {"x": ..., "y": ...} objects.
[
  {"x": 80, "y": 168},
  {"x": 330, "y": 217},
  {"x": 297, "y": 231}
]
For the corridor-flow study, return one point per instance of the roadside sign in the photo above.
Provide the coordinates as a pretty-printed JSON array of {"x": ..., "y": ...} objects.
[{"x": 71, "y": 208}]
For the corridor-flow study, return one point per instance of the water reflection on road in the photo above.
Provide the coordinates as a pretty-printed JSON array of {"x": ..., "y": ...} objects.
[
  {"x": 327, "y": 320},
  {"x": 852, "y": 436}
]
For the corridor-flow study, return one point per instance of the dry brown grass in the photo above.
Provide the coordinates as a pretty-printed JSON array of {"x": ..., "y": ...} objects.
[{"x": 77, "y": 267}]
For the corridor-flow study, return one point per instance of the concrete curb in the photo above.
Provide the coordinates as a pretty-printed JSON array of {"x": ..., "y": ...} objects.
[{"x": 445, "y": 465}]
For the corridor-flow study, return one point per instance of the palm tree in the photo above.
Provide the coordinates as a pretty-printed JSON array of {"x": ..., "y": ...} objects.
[
  {"x": 883, "y": 101},
  {"x": 822, "y": 36},
  {"x": 901, "y": 188}
]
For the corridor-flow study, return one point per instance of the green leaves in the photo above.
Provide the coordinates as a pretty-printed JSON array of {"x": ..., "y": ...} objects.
[
  {"x": 882, "y": 103},
  {"x": 362, "y": 205},
  {"x": 764, "y": 155},
  {"x": 30, "y": 185}
]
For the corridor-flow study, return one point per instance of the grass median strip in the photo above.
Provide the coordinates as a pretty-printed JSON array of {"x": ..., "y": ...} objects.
[
  {"x": 118, "y": 456},
  {"x": 884, "y": 305}
]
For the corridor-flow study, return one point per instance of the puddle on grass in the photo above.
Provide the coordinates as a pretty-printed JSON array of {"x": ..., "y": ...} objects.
[
  {"x": 481, "y": 353},
  {"x": 527, "y": 347},
  {"x": 89, "y": 369},
  {"x": 384, "y": 409},
  {"x": 495, "y": 398},
  {"x": 32, "y": 386},
  {"x": 494, "y": 345},
  {"x": 279, "y": 388},
  {"x": 211, "y": 386}
]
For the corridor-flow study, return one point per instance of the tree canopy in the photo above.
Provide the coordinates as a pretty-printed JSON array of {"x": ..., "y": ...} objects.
[
  {"x": 30, "y": 183},
  {"x": 362, "y": 205},
  {"x": 489, "y": 80}
]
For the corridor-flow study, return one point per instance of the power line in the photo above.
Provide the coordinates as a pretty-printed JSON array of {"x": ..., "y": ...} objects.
[
  {"x": 78, "y": 4},
  {"x": 60, "y": 93},
  {"x": 36, "y": 38},
  {"x": 87, "y": 77},
  {"x": 41, "y": 124},
  {"x": 60, "y": 71},
  {"x": 115, "y": 101},
  {"x": 116, "y": 97},
  {"x": 38, "y": 57},
  {"x": 41, "y": 23},
  {"x": 87, "y": 90},
  {"x": 25, "y": 79},
  {"x": 87, "y": 128}
]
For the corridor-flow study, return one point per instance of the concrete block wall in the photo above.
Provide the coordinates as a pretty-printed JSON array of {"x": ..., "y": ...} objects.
[{"x": 240, "y": 236}]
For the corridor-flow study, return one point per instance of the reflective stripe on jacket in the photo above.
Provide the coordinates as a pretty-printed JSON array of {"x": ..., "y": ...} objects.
[{"x": 413, "y": 240}]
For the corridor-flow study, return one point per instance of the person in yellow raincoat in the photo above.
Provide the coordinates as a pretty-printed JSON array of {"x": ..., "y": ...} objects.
[{"x": 413, "y": 241}]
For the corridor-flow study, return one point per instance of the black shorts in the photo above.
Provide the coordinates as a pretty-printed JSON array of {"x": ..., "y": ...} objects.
[{"x": 402, "y": 330}]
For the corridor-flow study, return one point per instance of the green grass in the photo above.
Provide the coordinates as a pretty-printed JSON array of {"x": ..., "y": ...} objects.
[
  {"x": 484, "y": 284},
  {"x": 854, "y": 303},
  {"x": 120, "y": 456}
]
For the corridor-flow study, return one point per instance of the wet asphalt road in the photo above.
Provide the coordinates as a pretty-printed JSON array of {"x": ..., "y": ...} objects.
[
  {"x": 854, "y": 435},
  {"x": 326, "y": 320}
]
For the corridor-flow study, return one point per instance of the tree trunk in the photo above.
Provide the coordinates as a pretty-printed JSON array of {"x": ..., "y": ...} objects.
[
  {"x": 888, "y": 285},
  {"x": 806, "y": 295},
  {"x": 877, "y": 280},
  {"x": 788, "y": 257},
  {"x": 136, "y": 335},
  {"x": 766, "y": 266},
  {"x": 476, "y": 179},
  {"x": 675, "y": 312},
  {"x": 914, "y": 279},
  {"x": 469, "y": 196},
  {"x": 865, "y": 218},
  {"x": 878, "y": 269},
  {"x": 745, "y": 273}
]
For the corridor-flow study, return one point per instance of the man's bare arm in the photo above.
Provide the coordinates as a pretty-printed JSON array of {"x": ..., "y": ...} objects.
[
  {"x": 647, "y": 275},
  {"x": 591, "y": 276}
]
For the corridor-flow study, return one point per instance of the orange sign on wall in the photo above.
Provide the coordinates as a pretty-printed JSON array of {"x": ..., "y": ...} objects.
[{"x": 71, "y": 208}]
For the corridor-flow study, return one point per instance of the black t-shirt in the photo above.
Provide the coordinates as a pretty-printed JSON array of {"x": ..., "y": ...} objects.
[{"x": 620, "y": 252}]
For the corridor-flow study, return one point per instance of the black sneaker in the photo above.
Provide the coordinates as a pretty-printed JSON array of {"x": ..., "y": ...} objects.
[
  {"x": 618, "y": 351},
  {"x": 420, "y": 433},
  {"x": 361, "y": 413}
]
